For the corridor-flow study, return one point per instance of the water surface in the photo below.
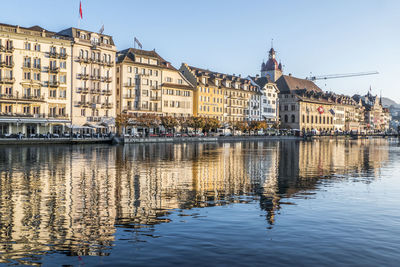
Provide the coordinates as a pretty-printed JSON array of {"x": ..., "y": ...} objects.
[{"x": 249, "y": 203}]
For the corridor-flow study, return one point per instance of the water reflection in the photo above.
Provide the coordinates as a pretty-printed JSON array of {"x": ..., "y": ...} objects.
[{"x": 71, "y": 199}]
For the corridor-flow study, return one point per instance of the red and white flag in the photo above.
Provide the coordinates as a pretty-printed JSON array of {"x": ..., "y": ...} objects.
[{"x": 80, "y": 9}]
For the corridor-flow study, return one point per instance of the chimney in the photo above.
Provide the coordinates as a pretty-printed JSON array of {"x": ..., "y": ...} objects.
[{"x": 290, "y": 74}]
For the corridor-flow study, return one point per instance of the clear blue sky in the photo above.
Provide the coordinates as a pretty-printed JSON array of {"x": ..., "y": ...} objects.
[{"x": 322, "y": 37}]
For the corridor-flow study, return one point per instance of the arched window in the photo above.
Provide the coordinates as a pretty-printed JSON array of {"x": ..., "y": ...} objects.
[
  {"x": 293, "y": 119},
  {"x": 324, "y": 120},
  {"x": 286, "y": 118},
  {"x": 81, "y": 53},
  {"x": 308, "y": 119},
  {"x": 320, "y": 119},
  {"x": 304, "y": 119},
  {"x": 312, "y": 119}
]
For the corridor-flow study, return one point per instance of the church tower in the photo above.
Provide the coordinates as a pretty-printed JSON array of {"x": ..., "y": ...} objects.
[{"x": 271, "y": 69}]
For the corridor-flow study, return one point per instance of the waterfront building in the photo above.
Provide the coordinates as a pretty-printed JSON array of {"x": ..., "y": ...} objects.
[
  {"x": 344, "y": 111},
  {"x": 222, "y": 96},
  {"x": 303, "y": 105},
  {"x": 208, "y": 94},
  {"x": 147, "y": 83},
  {"x": 269, "y": 104},
  {"x": 35, "y": 89},
  {"x": 376, "y": 118},
  {"x": 92, "y": 77}
]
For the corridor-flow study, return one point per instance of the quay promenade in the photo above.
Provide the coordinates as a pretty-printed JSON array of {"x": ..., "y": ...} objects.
[{"x": 197, "y": 139}]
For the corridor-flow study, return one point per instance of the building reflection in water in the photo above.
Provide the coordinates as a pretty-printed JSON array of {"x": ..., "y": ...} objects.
[{"x": 71, "y": 199}]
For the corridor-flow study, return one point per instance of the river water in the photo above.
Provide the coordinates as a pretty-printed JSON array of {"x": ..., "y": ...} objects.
[{"x": 275, "y": 203}]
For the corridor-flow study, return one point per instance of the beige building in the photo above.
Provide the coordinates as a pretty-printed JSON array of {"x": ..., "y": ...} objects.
[
  {"x": 92, "y": 74},
  {"x": 177, "y": 94},
  {"x": 221, "y": 96},
  {"x": 303, "y": 105},
  {"x": 35, "y": 88},
  {"x": 208, "y": 95},
  {"x": 139, "y": 81}
]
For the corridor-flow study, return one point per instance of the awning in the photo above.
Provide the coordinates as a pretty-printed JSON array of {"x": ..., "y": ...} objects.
[
  {"x": 108, "y": 122},
  {"x": 9, "y": 120},
  {"x": 32, "y": 120},
  {"x": 73, "y": 126},
  {"x": 58, "y": 121}
]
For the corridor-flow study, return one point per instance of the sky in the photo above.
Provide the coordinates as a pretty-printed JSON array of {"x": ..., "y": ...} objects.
[{"x": 233, "y": 36}]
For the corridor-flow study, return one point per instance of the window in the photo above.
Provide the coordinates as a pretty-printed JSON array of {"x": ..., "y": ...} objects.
[
  {"x": 136, "y": 71},
  {"x": 293, "y": 119},
  {"x": 27, "y": 46},
  {"x": 37, "y": 47},
  {"x": 129, "y": 69},
  {"x": 286, "y": 118}
]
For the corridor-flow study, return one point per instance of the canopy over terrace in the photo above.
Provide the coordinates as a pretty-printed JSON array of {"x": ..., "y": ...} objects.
[{"x": 32, "y": 125}]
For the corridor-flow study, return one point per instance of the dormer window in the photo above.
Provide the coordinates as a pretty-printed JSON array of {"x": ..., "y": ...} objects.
[
  {"x": 203, "y": 80},
  {"x": 216, "y": 82}
]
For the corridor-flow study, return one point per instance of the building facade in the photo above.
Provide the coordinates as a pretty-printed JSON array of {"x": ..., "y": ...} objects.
[
  {"x": 92, "y": 79},
  {"x": 303, "y": 105},
  {"x": 269, "y": 101},
  {"x": 208, "y": 95},
  {"x": 35, "y": 89}
]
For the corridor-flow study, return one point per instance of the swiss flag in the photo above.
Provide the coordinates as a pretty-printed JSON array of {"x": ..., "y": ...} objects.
[{"x": 80, "y": 9}]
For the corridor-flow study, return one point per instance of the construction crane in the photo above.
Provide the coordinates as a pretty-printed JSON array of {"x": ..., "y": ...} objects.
[{"x": 334, "y": 76}]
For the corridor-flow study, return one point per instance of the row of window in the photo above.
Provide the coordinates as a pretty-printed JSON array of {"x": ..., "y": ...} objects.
[
  {"x": 94, "y": 112},
  {"x": 176, "y": 92},
  {"x": 84, "y": 54},
  {"x": 207, "y": 109},
  {"x": 143, "y": 71},
  {"x": 207, "y": 99},
  {"x": 177, "y": 104},
  {"x": 27, "y": 109}
]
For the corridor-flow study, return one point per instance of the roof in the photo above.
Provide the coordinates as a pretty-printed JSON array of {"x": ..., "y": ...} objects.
[
  {"x": 128, "y": 55},
  {"x": 261, "y": 81},
  {"x": 180, "y": 86},
  {"x": 286, "y": 84}
]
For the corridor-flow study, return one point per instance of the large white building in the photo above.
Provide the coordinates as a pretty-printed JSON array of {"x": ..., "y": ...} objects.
[{"x": 35, "y": 84}]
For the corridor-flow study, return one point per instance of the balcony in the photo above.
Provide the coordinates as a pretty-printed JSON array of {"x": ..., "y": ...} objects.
[
  {"x": 155, "y": 98},
  {"x": 62, "y": 56},
  {"x": 82, "y": 90},
  {"x": 81, "y": 103},
  {"x": 128, "y": 96},
  {"x": 7, "y": 80},
  {"x": 82, "y": 59},
  {"x": 33, "y": 97},
  {"x": 129, "y": 85},
  {"x": 107, "y": 105},
  {"x": 27, "y": 66},
  {"x": 82, "y": 76},
  {"x": 95, "y": 91},
  {"x": 109, "y": 64},
  {"x": 7, "y": 49},
  {"x": 7, "y": 96},
  {"x": 107, "y": 92},
  {"x": 5, "y": 64},
  {"x": 53, "y": 83},
  {"x": 37, "y": 67},
  {"x": 97, "y": 61},
  {"x": 54, "y": 69},
  {"x": 53, "y": 55},
  {"x": 107, "y": 79},
  {"x": 153, "y": 87},
  {"x": 95, "y": 78}
]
